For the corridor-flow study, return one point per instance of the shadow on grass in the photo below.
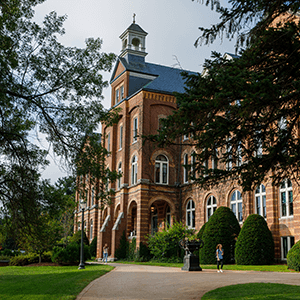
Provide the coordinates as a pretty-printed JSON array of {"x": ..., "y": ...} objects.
[{"x": 46, "y": 282}]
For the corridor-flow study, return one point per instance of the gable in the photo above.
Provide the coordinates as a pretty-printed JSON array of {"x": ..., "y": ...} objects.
[{"x": 119, "y": 69}]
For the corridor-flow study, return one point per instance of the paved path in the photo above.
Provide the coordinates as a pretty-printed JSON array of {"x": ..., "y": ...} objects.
[{"x": 150, "y": 282}]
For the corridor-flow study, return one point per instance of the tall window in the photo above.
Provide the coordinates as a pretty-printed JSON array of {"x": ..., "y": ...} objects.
[
  {"x": 161, "y": 169},
  {"x": 108, "y": 142},
  {"x": 119, "y": 172},
  {"x": 286, "y": 198},
  {"x": 93, "y": 197},
  {"x": 229, "y": 156},
  {"x": 122, "y": 92},
  {"x": 135, "y": 129},
  {"x": 193, "y": 164},
  {"x": 211, "y": 206},
  {"x": 121, "y": 138},
  {"x": 168, "y": 216},
  {"x": 260, "y": 201},
  {"x": 190, "y": 214},
  {"x": 185, "y": 169},
  {"x": 236, "y": 203},
  {"x": 117, "y": 95},
  {"x": 91, "y": 230},
  {"x": 134, "y": 170},
  {"x": 239, "y": 154},
  {"x": 287, "y": 242},
  {"x": 214, "y": 159}
]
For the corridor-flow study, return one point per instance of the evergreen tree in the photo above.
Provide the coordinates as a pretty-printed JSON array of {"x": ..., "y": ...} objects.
[
  {"x": 244, "y": 112},
  {"x": 255, "y": 245}
]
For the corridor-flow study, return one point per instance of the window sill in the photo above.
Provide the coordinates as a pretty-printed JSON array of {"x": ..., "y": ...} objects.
[{"x": 286, "y": 218}]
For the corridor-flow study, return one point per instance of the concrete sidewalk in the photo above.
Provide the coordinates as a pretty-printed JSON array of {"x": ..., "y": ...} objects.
[{"x": 150, "y": 282}]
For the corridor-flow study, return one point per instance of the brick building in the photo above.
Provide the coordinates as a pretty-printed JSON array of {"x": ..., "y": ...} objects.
[{"x": 154, "y": 189}]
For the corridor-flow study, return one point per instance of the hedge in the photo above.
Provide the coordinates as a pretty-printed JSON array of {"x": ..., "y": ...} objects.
[{"x": 293, "y": 257}]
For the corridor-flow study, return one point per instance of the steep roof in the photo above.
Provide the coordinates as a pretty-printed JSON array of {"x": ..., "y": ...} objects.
[{"x": 151, "y": 77}]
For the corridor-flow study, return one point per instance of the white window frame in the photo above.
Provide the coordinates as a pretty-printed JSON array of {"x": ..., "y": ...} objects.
[
  {"x": 160, "y": 164},
  {"x": 134, "y": 166},
  {"x": 119, "y": 172},
  {"x": 185, "y": 168},
  {"x": 287, "y": 192},
  {"x": 210, "y": 207},
  {"x": 190, "y": 214},
  {"x": 290, "y": 241},
  {"x": 121, "y": 138},
  {"x": 193, "y": 164},
  {"x": 260, "y": 201},
  {"x": 135, "y": 129},
  {"x": 237, "y": 200}
]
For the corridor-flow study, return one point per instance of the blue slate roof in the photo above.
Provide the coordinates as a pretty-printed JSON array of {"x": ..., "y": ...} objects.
[{"x": 167, "y": 79}]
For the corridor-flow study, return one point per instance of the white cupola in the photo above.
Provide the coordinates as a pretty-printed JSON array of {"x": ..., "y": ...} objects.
[{"x": 133, "y": 41}]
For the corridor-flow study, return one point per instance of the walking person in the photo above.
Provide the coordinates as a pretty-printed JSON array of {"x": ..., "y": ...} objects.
[
  {"x": 219, "y": 255},
  {"x": 105, "y": 253}
]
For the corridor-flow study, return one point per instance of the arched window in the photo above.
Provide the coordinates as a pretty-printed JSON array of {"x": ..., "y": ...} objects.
[
  {"x": 154, "y": 227},
  {"x": 161, "y": 169},
  {"x": 286, "y": 198},
  {"x": 91, "y": 230},
  {"x": 168, "y": 216},
  {"x": 185, "y": 169},
  {"x": 134, "y": 170},
  {"x": 260, "y": 201},
  {"x": 211, "y": 206},
  {"x": 190, "y": 214},
  {"x": 119, "y": 172},
  {"x": 236, "y": 204}
]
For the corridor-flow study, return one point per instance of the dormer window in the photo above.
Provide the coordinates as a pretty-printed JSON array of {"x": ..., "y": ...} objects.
[
  {"x": 117, "y": 95},
  {"x": 122, "y": 92}
]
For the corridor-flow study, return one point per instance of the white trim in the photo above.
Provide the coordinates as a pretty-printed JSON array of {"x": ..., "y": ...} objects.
[{"x": 144, "y": 76}]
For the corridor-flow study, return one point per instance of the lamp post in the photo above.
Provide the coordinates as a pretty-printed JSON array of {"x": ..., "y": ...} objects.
[{"x": 81, "y": 265}]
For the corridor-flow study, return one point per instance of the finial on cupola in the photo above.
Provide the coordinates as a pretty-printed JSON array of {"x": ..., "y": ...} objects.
[{"x": 134, "y": 18}]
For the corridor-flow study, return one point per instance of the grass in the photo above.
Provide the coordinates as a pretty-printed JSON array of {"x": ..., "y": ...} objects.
[
  {"x": 269, "y": 268},
  {"x": 255, "y": 291},
  {"x": 51, "y": 283}
]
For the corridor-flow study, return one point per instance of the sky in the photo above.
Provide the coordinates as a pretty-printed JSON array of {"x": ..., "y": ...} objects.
[{"x": 172, "y": 27}]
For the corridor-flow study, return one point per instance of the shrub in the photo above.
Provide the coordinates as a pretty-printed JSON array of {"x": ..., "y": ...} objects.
[
  {"x": 221, "y": 228},
  {"x": 143, "y": 252},
  {"x": 132, "y": 250},
  {"x": 76, "y": 238},
  {"x": 93, "y": 247},
  {"x": 123, "y": 249},
  {"x": 165, "y": 244},
  {"x": 293, "y": 257},
  {"x": 30, "y": 258},
  {"x": 255, "y": 245},
  {"x": 200, "y": 233},
  {"x": 70, "y": 254}
]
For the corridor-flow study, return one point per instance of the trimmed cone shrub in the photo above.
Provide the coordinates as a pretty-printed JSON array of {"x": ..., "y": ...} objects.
[
  {"x": 221, "y": 228},
  {"x": 293, "y": 257},
  {"x": 255, "y": 245},
  {"x": 200, "y": 233}
]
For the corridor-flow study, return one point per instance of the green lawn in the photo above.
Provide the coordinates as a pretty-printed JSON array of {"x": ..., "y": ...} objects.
[
  {"x": 271, "y": 268},
  {"x": 255, "y": 291},
  {"x": 57, "y": 283}
]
